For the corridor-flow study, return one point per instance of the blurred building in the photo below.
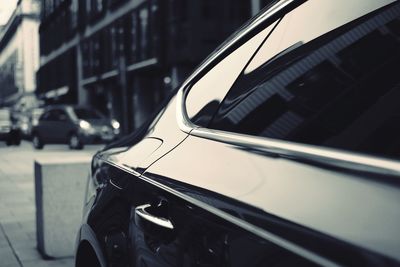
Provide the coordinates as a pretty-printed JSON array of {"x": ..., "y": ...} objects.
[
  {"x": 19, "y": 54},
  {"x": 124, "y": 56}
]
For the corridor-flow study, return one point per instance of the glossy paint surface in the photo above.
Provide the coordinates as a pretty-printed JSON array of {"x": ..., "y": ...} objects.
[{"x": 181, "y": 195}]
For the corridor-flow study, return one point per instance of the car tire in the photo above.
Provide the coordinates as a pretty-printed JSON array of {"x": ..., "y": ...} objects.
[
  {"x": 74, "y": 142},
  {"x": 37, "y": 141},
  {"x": 9, "y": 141},
  {"x": 17, "y": 141},
  {"x": 16, "y": 138}
]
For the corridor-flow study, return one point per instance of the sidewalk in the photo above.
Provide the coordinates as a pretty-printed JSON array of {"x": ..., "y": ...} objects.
[{"x": 17, "y": 205}]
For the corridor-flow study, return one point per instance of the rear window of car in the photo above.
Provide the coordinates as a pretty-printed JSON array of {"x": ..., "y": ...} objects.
[
  {"x": 87, "y": 114},
  {"x": 327, "y": 78}
]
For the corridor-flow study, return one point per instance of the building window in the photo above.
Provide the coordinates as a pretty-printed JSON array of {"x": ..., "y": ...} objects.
[
  {"x": 133, "y": 38},
  {"x": 114, "y": 46},
  {"x": 85, "y": 59},
  {"x": 144, "y": 33},
  {"x": 74, "y": 14},
  {"x": 48, "y": 7},
  {"x": 88, "y": 7},
  {"x": 95, "y": 8},
  {"x": 120, "y": 37},
  {"x": 98, "y": 6},
  {"x": 96, "y": 55}
]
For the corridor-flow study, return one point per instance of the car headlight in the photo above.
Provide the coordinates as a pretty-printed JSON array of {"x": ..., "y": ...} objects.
[
  {"x": 115, "y": 124},
  {"x": 84, "y": 125}
]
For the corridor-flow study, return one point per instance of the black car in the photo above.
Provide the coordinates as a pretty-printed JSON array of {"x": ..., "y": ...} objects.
[
  {"x": 9, "y": 132},
  {"x": 73, "y": 125},
  {"x": 281, "y": 149}
]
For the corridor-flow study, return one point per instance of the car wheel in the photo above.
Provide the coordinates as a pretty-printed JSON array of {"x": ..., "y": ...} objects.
[
  {"x": 9, "y": 141},
  {"x": 74, "y": 142},
  {"x": 37, "y": 142},
  {"x": 16, "y": 138},
  {"x": 17, "y": 141}
]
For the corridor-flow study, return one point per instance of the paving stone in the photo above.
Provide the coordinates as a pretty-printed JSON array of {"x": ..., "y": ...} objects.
[
  {"x": 64, "y": 263},
  {"x": 28, "y": 226},
  {"x": 7, "y": 256},
  {"x": 15, "y": 264},
  {"x": 36, "y": 263},
  {"x": 15, "y": 237},
  {"x": 10, "y": 227},
  {"x": 3, "y": 242},
  {"x": 27, "y": 253}
]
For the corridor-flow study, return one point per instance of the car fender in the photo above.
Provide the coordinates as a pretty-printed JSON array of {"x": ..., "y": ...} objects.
[{"x": 87, "y": 234}]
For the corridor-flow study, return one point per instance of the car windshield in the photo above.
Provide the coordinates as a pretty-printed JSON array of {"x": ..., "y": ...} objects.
[{"x": 87, "y": 114}]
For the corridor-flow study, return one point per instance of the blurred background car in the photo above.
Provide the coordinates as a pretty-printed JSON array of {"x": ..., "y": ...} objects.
[
  {"x": 9, "y": 132},
  {"x": 23, "y": 124},
  {"x": 72, "y": 125},
  {"x": 29, "y": 121}
]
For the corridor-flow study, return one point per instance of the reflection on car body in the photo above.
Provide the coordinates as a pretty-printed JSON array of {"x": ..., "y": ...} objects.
[{"x": 291, "y": 160}]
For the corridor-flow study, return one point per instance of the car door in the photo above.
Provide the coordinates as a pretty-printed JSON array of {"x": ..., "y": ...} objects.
[
  {"x": 60, "y": 126},
  {"x": 44, "y": 126},
  {"x": 160, "y": 137},
  {"x": 282, "y": 167},
  {"x": 65, "y": 126},
  {"x": 214, "y": 184}
]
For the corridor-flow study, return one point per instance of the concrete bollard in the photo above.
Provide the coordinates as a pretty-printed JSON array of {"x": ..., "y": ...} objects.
[{"x": 60, "y": 185}]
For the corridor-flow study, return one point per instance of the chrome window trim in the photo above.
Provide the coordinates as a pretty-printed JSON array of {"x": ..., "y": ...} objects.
[
  {"x": 323, "y": 155},
  {"x": 182, "y": 118}
]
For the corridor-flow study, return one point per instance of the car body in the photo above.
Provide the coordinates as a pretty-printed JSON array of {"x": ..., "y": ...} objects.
[
  {"x": 23, "y": 125},
  {"x": 281, "y": 149},
  {"x": 73, "y": 125},
  {"x": 9, "y": 132},
  {"x": 33, "y": 120},
  {"x": 27, "y": 120}
]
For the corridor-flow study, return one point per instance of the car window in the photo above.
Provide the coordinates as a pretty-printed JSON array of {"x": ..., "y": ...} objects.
[
  {"x": 45, "y": 116},
  {"x": 206, "y": 94},
  {"x": 61, "y": 115},
  {"x": 334, "y": 86},
  {"x": 54, "y": 115},
  {"x": 87, "y": 114}
]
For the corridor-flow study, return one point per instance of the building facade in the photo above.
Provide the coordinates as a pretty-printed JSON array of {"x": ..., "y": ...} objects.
[
  {"x": 19, "y": 54},
  {"x": 123, "y": 57}
]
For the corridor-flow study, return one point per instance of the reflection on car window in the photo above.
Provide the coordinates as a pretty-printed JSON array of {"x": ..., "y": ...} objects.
[
  {"x": 87, "y": 114},
  {"x": 52, "y": 115},
  {"x": 206, "y": 94},
  {"x": 309, "y": 21},
  {"x": 340, "y": 89},
  {"x": 44, "y": 116},
  {"x": 57, "y": 115}
]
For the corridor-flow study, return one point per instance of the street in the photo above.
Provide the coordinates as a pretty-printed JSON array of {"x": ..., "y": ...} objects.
[{"x": 17, "y": 204}]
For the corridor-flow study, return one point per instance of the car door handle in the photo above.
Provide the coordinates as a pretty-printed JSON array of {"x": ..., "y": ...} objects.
[{"x": 141, "y": 211}]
